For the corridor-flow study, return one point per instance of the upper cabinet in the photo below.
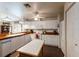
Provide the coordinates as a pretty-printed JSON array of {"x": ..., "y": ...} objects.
[{"x": 41, "y": 24}]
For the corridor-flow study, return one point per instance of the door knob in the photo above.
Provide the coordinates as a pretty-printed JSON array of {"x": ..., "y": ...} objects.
[{"x": 76, "y": 44}]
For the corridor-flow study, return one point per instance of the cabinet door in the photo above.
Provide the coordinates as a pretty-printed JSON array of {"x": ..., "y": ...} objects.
[
  {"x": 27, "y": 38},
  {"x": 0, "y": 49},
  {"x": 6, "y": 47},
  {"x": 50, "y": 40},
  {"x": 15, "y": 43},
  {"x": 21, "y": 41}
]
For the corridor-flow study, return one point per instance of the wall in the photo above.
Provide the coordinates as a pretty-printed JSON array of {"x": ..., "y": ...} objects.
[{"x": 62, "y": 36}]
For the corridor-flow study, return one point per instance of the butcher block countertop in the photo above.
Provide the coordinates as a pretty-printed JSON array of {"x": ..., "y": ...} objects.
[
  {"x": 6, "y": 36},
  {"x": 50, "y": 33},
  {"x": 33, "y": 48}
]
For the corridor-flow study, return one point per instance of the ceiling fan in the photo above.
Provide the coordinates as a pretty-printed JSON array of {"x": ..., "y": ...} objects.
[
  {"x": 36, "y": 16},
  {"x": 36, "y": 13}
]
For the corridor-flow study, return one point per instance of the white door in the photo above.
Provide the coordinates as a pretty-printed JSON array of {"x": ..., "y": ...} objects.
[
  {"x": 70, "y": 29},
  {"x": 73, "y": 31},
  {"x": 76, "y": 29}
]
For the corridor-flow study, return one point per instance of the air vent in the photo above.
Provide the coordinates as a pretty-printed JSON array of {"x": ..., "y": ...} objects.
[
  {"x": 16, "y": 22},
  {"x": 27, "y": 5}
]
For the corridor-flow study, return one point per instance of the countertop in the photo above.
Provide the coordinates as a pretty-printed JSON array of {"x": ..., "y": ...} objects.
[
  {"x": 33, "y": 48},
  {"x": 6, "y": 35},
  {"x": 50, "y": 33}
]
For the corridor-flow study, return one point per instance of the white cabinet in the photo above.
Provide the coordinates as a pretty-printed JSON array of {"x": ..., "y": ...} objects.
[
  {"x": 5, "y": 47},
  {"x": 21, "y": 41},
  {"x": 17, "y": 42},
  {"x": 27, "y": 39},
  {"x": 52, "y": 40},
  {"x": 48, "y": 24},
  {"x": 9, "y": 45},
  {"x": 15, "y": 28}
]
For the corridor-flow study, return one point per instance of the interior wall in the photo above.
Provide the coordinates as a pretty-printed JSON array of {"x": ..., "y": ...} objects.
[{"x": 62, "y": 36}]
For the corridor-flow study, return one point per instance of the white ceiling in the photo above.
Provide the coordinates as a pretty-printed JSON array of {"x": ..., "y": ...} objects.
[{"x": 45, "y": 9}]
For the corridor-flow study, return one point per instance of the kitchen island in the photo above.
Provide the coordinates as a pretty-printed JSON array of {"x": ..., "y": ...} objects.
[
  {"x": 33, "y": 48},
  {"x": 11, "y": 42}
]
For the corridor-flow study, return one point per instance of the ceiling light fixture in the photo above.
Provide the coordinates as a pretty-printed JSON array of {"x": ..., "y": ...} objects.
[{"x": 35, "y": 18}]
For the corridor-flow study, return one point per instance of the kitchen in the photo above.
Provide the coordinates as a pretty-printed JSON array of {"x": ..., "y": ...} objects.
[
  {"x": 38, "y": 29},
  {"x": 22, "y": 23}
]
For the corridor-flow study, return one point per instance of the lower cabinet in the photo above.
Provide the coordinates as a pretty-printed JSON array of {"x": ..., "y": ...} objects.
[
  {"x": 27, "y": 38},
  {"x": 14, "y": 43},
  {"x": 9, "y": 45},
  {"x": 20, "y": 41},
  {"x": 5, "y": 47},
  {"x": 52, "y": 40}
]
